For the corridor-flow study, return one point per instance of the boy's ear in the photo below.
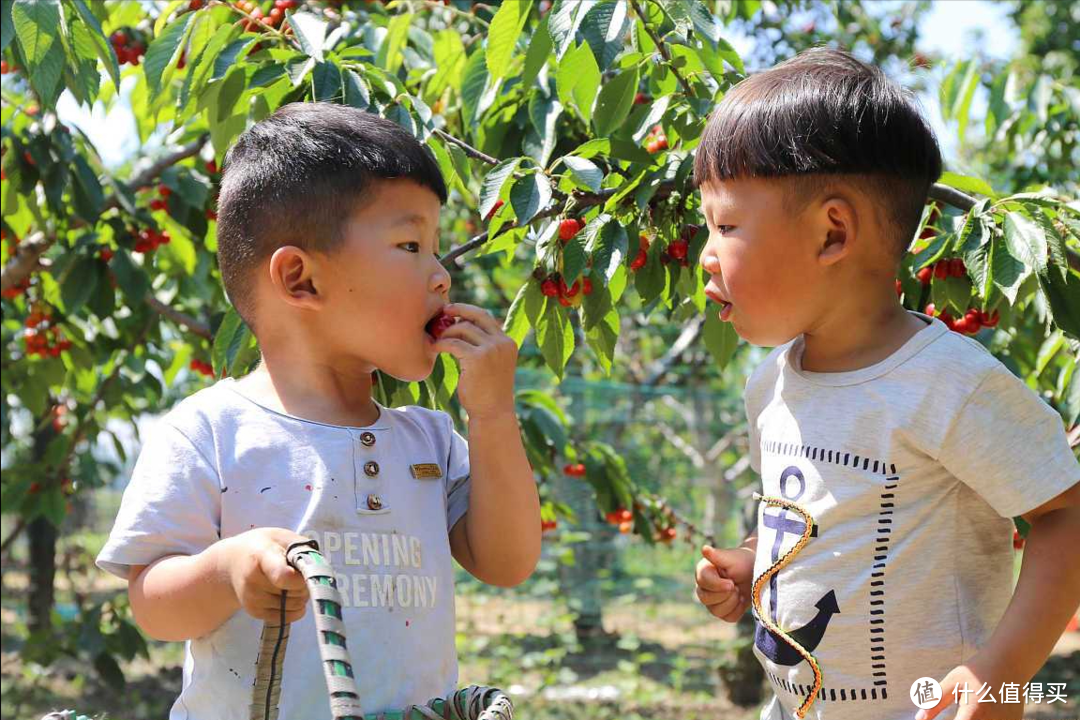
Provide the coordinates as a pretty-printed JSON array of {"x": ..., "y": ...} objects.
[
  {"x": 837, "y": 229},
  {"x": 292, "y": 277}
]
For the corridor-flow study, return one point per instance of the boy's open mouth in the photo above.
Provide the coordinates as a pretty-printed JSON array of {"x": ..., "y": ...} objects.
[{"x": 438, "y": 324}]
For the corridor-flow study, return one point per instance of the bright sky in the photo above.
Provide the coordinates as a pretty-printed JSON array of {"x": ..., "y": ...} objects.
[{"x": 951, "y": 29}]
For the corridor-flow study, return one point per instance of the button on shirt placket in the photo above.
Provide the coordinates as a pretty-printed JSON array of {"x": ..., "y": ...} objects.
[{"x": 369, "y": 496}]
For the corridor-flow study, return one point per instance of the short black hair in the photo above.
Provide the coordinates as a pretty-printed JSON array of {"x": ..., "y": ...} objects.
[
  {"x": 295, "y": 177},
  {"x": 817, "y": 118}
]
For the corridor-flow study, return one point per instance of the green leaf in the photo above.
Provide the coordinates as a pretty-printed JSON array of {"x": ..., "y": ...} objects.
[
  {"x": 226, "y": 59},
  {"x": 310, "y": 31},
  {"x": 131, "y": 278},
  {"x": 555, "y": 336},
  {"x": 537, "y": 54},
  {"x": 91, "y": 188},
  {"x": 79, "y": 283},
  {"x": 585, "y": 172},
  {"x": 102, "y": 46},
  {"x": 494, "y": 182},
  {"x": 607, "y": 247},
  {"x": 36, "y": 25},
  {"x": 7, "y": 25},
  {"x": 516, "y": 325},
  {"x": 544, "y": 113},
  {"x": 162, "y": 52},
  {"x": 449, "y": 61},
  {"x": 967, "y": 184},
  {"x": 234, "y": 346},
  {"x": 473, "y": 83},
  {"x": 1008, "y": 271},
  {"x": 563, "y": 21},
  {"x": 967, "y": 94},
  {"x": 720, "y": 337},
  {"x": 578, "y": 79},
  {"x": 614, "y": 102},
  {"x": 356, "y": 91},
  {"x": 530, "y": 195},
  {"x": 603, "y": 28},
  {"x": 390, "y": 55},
  {"x": 602, "y": 338},
  {"x": 503, "y": 35},
  {"x": 574, "y": 259},
  {"x": 326, "y": 82}
]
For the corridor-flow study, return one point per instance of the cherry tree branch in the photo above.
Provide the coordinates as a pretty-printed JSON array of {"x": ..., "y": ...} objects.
[
  {"x": 469, "y": 149},
  {"x": 27, "y": 257},
  {"x": 662, "y": 48},
  {"x": 180, "y": 318}
]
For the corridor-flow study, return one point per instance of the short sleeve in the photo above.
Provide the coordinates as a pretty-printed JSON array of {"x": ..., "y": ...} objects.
[
  {"x": 1009, "y": 446},
  {"x": 457, "y": 477},
  {"x": 172, "y": 506}
]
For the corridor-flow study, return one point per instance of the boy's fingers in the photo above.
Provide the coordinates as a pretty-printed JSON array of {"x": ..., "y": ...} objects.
[
  {"x": 724, "y": 560},
  {"x": 737, "y": 613},
  {"x": 709, "y": 578},
  {"x": 482, "y": 318},
  {"x": 708, "y": 597},
  {"x": 725, "y": 607},
  {"x": 466, "y": 331},
  {"x": 457, "y": 348}
]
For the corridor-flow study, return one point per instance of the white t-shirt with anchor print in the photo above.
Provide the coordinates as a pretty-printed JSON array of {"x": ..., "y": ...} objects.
[
  {"x": 380, "y": 500},
  {"x": 911, "y": 470}
]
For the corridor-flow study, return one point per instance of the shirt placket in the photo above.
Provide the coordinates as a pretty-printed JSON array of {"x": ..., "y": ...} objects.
[{"x": 370, "y": 453}]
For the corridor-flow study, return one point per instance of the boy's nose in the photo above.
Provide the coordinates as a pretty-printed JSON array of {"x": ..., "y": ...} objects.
[
  {"x": 440, "y": 279},
  {"x": 709, "y": 262}
]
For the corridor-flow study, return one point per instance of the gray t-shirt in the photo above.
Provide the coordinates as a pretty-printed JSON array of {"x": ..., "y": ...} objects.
[
  {"x": 912, "y": 470},
  {"x": 380, "y": 500}
]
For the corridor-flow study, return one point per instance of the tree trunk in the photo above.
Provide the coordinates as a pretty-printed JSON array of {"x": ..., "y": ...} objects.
[{"x": 41, "y": 535}]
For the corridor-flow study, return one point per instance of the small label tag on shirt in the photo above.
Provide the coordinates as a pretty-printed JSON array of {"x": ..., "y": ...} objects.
[{"x": 426, "y": 471}]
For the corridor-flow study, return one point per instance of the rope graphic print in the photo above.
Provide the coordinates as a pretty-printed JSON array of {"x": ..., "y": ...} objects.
[{"x": 763, "y": 580}]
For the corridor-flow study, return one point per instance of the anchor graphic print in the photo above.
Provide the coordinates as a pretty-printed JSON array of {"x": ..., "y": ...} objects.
[
  {"x": 778, "y": 649},
  {"x": 824, "y": 532}
]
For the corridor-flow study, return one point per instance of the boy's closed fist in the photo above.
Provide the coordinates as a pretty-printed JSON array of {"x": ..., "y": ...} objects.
[
  {"x": 724, "y": 580},
  {"x": 257, "y": 569},
  {"x": 487, "y": 356}
]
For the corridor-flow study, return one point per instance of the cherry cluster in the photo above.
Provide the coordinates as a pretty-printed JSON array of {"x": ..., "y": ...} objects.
[
  {"x": 201, "y": 367},
  {"x": 969, "y": 323},
  {"x": 656, "y": 140},
  {"x": 949, "y": 267},
  {"x": 568, "y": 295},
  {"x": 150, "y": 239},
  {"x": 43, "y": 337},
  {"x": 129, "y": 51}
]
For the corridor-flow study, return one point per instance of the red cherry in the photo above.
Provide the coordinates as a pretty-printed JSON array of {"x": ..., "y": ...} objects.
[
  {"x": 195, "y": 4},
  {"x": 661, "y": 143},
  {"x": 625, "y": 515},
  {"x": 957, "y": 268},
  {"x": 159, "y": 204},
  {"x": 164, "y": 191},
  {"x": 989, "y": 320},
  {"x": 586, "y": 286},
  {"x": 678, "y": 249},
  {"x": 640, "y": 260},
  {"x": 549, "y": 288},
  {"x": 612, "y": 517},
  {"x": 571, "y": 291},
  {"x": 641, "y": 99},
  {"x": 930, "y": 310},
  {"x": 439, "y": 324},
  {"x": 927, "y": 233},
  {"x": 568, "y": 228},
  {"x": 668, "y": 534},
  {"x": 548, "y": 525},
  {"x": 643, "y": 242},
  {"x": 925, "y": 275},
  {"x": 275, "y": 16},
  {"x": 494, "y": 209},
  {"x": 4, "y": 67},
  {"x": 652, "y": 147},
  {"x": 211, "y": 167},
  {"x": 626, "y": 527},
  {"x": 1018, "y": 540},
  {"x": 941, "y": 269},
  {"x": 210, "y": 214}
]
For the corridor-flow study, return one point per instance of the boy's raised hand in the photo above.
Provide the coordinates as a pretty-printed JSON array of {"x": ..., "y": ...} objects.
[
  {"x": 487, "y": 357},
  {"x": 257, "y": 569},
  {"x": 723, "y": 579}
]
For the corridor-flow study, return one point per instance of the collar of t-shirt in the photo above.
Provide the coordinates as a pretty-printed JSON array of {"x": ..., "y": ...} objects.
[{"x": 919, "y": 341}]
